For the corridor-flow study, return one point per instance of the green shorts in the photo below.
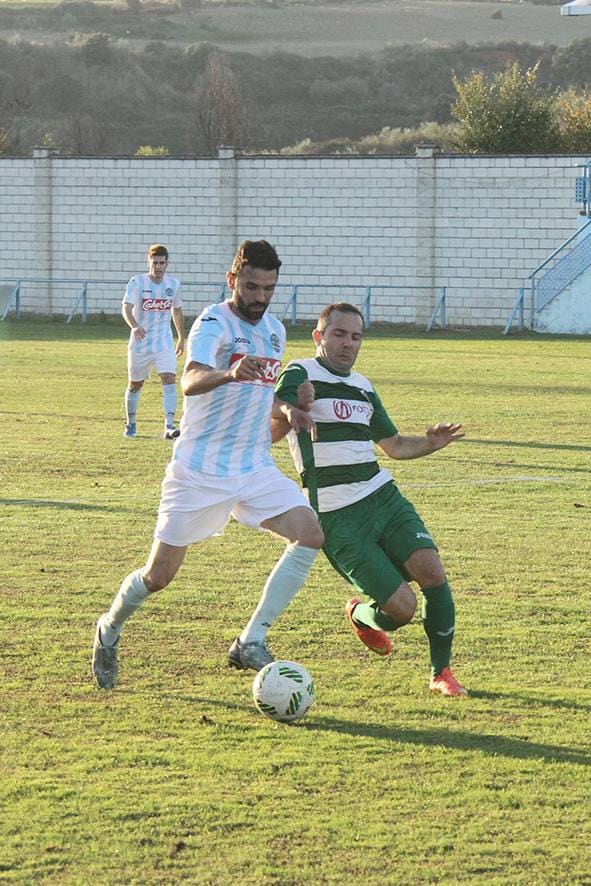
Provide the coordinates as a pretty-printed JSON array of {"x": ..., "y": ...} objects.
[{"x": 369, "y": 542}]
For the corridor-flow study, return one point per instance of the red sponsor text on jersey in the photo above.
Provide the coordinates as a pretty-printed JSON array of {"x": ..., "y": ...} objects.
[
  {"x": 157, "y": 304},
  {"x": 272, "y": 368},
  {"x": 344, "y": 410}
]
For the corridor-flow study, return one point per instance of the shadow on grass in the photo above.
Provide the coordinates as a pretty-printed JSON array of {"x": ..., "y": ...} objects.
[
  {"x": 495, "y": 745},
  {"x": 533, "y": 701},
  {"x": 521, "y": 444},
  {"x": 57, "y": 505}
]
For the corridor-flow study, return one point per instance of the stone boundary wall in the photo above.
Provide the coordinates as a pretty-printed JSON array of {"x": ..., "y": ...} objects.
[{"x": 476, "y": 225}]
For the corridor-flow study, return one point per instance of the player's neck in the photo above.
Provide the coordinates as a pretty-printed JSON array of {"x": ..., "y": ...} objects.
[{"x": 324, "y": 362}]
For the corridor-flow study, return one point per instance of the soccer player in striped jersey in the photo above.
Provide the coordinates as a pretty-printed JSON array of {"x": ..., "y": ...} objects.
[
  {"x": 374, "y": 537},
  {"x": 149, "y": 301},
  {"x": 221, "y": 465}
]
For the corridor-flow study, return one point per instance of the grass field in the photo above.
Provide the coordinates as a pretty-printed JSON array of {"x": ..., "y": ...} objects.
[{"x": 173, "y": 777}]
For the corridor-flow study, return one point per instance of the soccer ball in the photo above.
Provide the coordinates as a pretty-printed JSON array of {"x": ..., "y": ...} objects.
[{"x": 283, "y": 691}]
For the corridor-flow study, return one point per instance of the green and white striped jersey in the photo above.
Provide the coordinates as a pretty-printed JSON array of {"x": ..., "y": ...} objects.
[{"x": 341, "y": 467}]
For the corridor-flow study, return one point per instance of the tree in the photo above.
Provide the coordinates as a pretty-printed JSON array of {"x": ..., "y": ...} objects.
[
  {"x": 221, "y": 115},
  {"x": 573, "y": 114},
  {"x": 507, "y": 113}
]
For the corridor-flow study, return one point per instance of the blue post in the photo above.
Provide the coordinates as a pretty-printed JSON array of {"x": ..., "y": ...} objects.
[
  {"x": 294, "y": 309},
  {"x": 443, "y": 307},
  {"x": 366, "y": 307}
]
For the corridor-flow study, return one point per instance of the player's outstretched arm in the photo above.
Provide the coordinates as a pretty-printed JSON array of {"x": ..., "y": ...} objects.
[{"x": 436, "y": 437}]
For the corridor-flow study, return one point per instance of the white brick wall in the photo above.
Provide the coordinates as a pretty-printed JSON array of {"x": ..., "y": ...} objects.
[{"x": 476, "y": 225}]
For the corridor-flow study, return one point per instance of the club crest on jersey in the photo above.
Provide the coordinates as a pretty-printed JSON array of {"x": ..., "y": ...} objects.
[
  {"x": 169, "y": 292},
  {"x": 276, "y": 344},
  {"x": 271, "y": 371},
  {"x": 344, "y": 410},
  {"x": 157, "y": 304}
]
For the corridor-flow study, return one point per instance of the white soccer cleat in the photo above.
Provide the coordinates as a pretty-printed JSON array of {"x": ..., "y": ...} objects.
[{"x": 105, "y": 662}]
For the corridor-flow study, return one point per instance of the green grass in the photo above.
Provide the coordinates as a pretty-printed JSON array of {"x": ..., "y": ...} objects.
[{"x": 174, "y": 777}]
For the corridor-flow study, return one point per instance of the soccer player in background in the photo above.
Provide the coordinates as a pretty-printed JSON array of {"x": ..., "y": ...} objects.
[
  {"x": 149, "y": 301},
  {"x": 221, "y": 464},
  {"x": 374, "y": 537}
]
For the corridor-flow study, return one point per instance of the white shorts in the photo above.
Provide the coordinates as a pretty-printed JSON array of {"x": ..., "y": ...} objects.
[
  {"x": 195, "y": 506},
  {"x": 139, "y": 366}
]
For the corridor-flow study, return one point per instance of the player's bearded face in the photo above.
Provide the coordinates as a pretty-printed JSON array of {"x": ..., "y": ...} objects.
[{"x": 253, "y": 290}]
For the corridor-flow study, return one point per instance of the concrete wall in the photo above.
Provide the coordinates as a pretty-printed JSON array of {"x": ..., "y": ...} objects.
[{"x": 476, "y": 225}]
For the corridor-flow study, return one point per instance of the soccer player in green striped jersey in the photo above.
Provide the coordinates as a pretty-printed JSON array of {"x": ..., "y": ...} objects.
[{"x": 374, "y": 537}]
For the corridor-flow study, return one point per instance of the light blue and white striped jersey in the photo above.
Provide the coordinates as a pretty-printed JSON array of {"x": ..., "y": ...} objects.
[
  {"x": 152, "y": 309},
  {"x": 227, "y": 431}
]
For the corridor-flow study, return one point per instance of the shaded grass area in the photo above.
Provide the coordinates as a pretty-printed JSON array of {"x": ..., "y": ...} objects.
[{"x": 174, "y": 776}]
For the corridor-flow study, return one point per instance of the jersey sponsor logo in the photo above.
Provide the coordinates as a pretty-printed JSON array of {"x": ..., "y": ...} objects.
[
  {"x": 157, "y": 304},
  {"x": 208, "y": 319},
  {"x": 346, "y": 409},
  {"x": 272, "y": 368}
]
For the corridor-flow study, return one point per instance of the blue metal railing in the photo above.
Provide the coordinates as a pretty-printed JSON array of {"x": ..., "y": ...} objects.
[
  {"x": 518, "y": 309},
  {"x": 439, "y": 309},
  {"x": 291, "y": 292},
  {"x": 569, "y": 261}
]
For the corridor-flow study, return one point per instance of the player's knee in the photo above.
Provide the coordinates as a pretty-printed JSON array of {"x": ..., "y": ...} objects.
[
  {"x": 135, "y": 385},
  {"x": 311, "y": 536},
  {"x": 432, "y": 577}
]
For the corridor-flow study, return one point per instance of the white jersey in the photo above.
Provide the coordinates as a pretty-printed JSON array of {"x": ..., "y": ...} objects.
[
  {"x": 227, "y": 431},
  {"x": 152, "y": 309}
]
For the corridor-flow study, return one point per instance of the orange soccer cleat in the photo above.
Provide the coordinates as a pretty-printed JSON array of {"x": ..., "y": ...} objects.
[
  {"x": 377, "y": 641},
  {"x": 445, "y": 683}
]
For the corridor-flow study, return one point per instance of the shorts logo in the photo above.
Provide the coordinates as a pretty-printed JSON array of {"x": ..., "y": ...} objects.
[
  {"x": 276, "y": 344},
  {"x": 157, "y": 304},
  {"x": 344, "y": 410},
  {"x": 271, "y": 371}
]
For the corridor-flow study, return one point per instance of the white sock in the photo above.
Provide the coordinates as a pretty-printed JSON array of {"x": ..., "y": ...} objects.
[
  {"x": 130, "y": 597},
  {"x": 132, "y": 398},
  {"x": 169, "y": 404},
  {"x": 282, "y": 585}
]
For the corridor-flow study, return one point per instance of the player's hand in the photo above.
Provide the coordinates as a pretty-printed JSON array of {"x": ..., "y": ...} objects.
[
  {"x": 247, "y": 369},
  {"x": 306, "y": 395},
  {"x": 139, "y": 333},
  {"x": 300, "y": 421},
  {"x": 444, "y": 433},
  {"x": 180, "y": 347}
]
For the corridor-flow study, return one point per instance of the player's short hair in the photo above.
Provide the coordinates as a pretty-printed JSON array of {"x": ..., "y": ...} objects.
[
  {"x": 257, "y": 254},
  {"x": 157, "y": 249},
  {"x": 343, "y": 307}
]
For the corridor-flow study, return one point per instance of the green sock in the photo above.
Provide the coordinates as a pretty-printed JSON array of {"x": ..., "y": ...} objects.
[
  {"x": 369, "y": 615},
  {"x": 439, "y": 622}
]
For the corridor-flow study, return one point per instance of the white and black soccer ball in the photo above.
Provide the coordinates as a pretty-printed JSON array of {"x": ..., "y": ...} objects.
[{"x": 283, "y": 691}]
